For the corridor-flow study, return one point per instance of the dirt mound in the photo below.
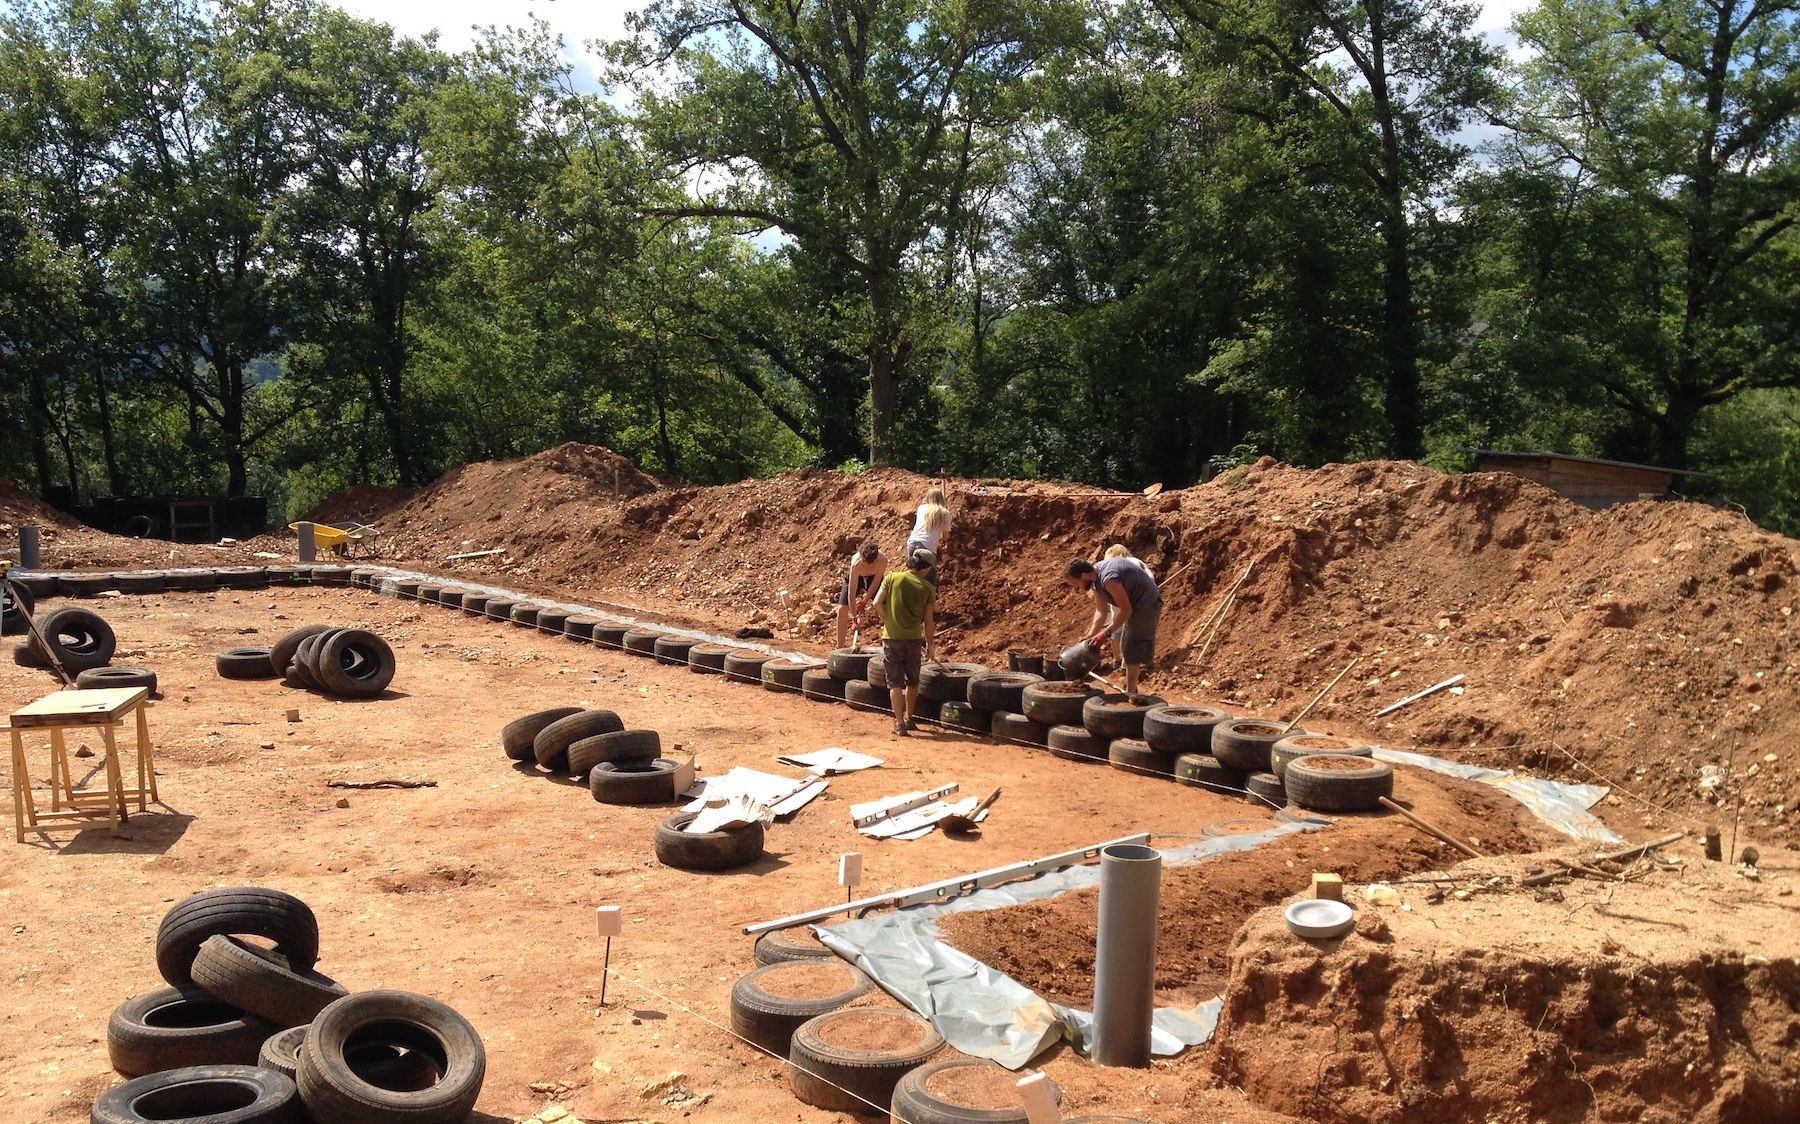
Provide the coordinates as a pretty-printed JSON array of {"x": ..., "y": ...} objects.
[
  {"x": 1674, "y": 998},
  {"x": 1049, "y": 946},
  {"x": 360, "y": 503},
  {"x": 18, "y": 506}
]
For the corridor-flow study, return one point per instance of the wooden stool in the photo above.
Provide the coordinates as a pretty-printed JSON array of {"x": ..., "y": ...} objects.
[{"x": 102, "y": 710}]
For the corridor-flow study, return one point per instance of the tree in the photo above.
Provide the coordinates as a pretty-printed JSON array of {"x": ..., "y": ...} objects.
[
  {"x": 853, "y": 128},
  {"x": 1393, "y": 81},
  {"x": 1673, "y": 129}
]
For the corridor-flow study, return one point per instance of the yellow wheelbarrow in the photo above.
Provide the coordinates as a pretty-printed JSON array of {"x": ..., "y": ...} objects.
[{"x": 339, "y": 538}]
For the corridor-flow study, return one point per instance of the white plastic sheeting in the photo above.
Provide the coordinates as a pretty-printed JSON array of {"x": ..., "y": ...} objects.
[{"x": 1562, "y": 806}]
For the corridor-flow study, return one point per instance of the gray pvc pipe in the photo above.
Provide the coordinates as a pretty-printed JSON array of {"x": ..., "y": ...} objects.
[
  {"x": 309, "y": 552},
  {"x": 1125, "y": 954},
  {"x": 28, "y": 548}
]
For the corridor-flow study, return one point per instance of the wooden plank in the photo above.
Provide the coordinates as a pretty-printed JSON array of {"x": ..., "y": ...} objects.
[{"x": 81, "y": 708}]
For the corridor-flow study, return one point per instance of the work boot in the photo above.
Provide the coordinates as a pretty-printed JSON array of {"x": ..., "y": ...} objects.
[
  {"x": 900, "y": 727},
  {"x": 912, "y": 722}
]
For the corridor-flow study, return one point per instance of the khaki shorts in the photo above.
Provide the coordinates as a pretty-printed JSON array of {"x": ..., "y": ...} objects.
[
  {"x": 1137, "y": 644},
  {"x": 901, "y": 660}
]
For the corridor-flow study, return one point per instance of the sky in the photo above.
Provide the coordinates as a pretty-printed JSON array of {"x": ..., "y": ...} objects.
[{"x": 582, "y": 21}]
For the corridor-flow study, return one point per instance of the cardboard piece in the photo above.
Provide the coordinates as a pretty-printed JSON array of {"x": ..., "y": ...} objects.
[
  {"x": 728, "y": 813},
  {"x": 831, "y": 761},
  {"x": 782, "y": 795},
  {"x": 910, "y": 815}
]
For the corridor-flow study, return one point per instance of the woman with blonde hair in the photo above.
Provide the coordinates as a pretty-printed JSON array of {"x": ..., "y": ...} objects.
[{"x": 931, "y": 528}]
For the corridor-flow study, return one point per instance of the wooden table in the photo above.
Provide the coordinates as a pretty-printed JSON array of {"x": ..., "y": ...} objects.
[{"x": 103, "y": 710}]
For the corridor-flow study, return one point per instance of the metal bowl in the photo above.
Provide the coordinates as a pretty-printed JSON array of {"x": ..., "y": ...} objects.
[{"x": 1319, "y": 918}]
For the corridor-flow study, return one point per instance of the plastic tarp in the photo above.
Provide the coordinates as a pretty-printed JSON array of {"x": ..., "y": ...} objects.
[
  {"x": 1562, "y": 806},
  {"x": 986, "y": 1013}
]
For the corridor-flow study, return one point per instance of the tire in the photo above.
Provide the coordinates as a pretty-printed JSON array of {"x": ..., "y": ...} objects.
[
  {"x": 14, "y": 597},
  {"x": 475, "y": 604},
  {"x": 862, "y": 695},
  {"x": 336, "y": 1094},
  {"x": 785, "y": 675},
  {"x": 1053, "y": 703},
  {"x": 849, "y": 663},
  {"x": 499, "y": 608},
  {"x": 429, "y": 594},
  {"x": 243, "y": 577},
  {"x": 331, "y": 574},
  {"x": 844, "y": 1059},
  {"x": 25, "y": 654},
  {"x": 37, "y": 585},
  {"x": 1312, "y": 745},
  {"x": 618, "y": 747},
  {"x": 1018, "y": 729},
  {"x": 451, "y": 599},
  {"x": 143, "y": 583},
  {"x": 965, "y": 718},
  {"x": 1244, "y": 743},
  {"x": 784, "y": 946},
  {"x": 355, "y": 664},
  {"x": 1133, "y": 755},
  {"x": 579, "y": 628},
  {"x": 203, "y": 1094},
  {"x": 638, "y": 781},
  {"x": 948, "y": 682},
  {"x": 1001, "y": 691},
  {"x": 516, "y": 736},
  {"x": 938, "y": 1093},
  {"x": 770, "y": 1003},
  {"x": 817, "y": 684},
  {"x": 236, "y": 911},
  {"x": 639, "y": 642},
  {"x": 552, "y": 620},
  {"x": 88, "y": 585},
  {"x": 672, "y": 649},
  {"x": 281, "y": 1051},
  {"x": 298, "y": 676},
  {"x": 707, "y": 850},
  {"x": 1203, "y": 770},
  {"x": 707, "y": 659},
  {"x": 525, "y": 615},
  {"x": 282, "y": 653},
  {"x": 1263, "y": 789},
  {"x": 405, "y": 587},
  {"x": 610, "y": 635},
  {"x": 307, "y": 657},
  {"x": 1241, "y": 825},
  {"x": 876, "y": 673},
  {"x": 1182, "y": 729},
  {"x": 80, "y": 639},
  {"x": 1339, "y": 783},
  {"x": 95, "y": 678},
  {"x": 928, "y": 709},
  {"x": 551, "y": 746},
  {"x": 363, "y": 577},
  {"x": 745, "y": 667},
  {"x": 1076, "y": 743},
  {"x": 174, "y": 1027},
  {"x": 1117, "y": 716},
  {"x": 261, "y": 983},
  {"x": 380, "y": 1062},
  {"x": 245, "y": 663}
]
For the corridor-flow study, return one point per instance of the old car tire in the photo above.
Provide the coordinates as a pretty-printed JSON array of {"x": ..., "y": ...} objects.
[
  {"x": 609, "y": 635},
  {"x": 849, "y": 663},
  {"x": 640, "y": 642},
  {"x": 706, "y": 850},
  {"x": 930, "y": 1094},
  {"x": 174, "y": 1027},
  {"x": 746, "y": 667},
  {"x": 1134, "y": 755},
  {"x": 1117, "y": 716},
  {"x": 769, "y": 1004},
  {"x": 80, "y": 638},
  {"x": 551, "y": 746},
  {"x": 281, "y": 653},
  {"x": 1076, "y": 743},
  {"x": 817, "y": 684},
  {"x": 1339, "y": 783},
  {"x": 203, "y": 1094},
  {"x": 1264, "y": 789},
  {"x": 16, "y": 602},
  {"x": 335, "y": 1092},
  {"x": 1055, "y": 703},
  {"x": 965, "y": 718},
  {"x": 783, "y": 946},
  {"x": 672, "y": 649},
  {"x": 245, "y": 663},
  {"x": 612, "y": 748},
  {"x": 707, "y": 659},
  {"x": 637, "y": 781},
  {"x": 785, "y": 675},
  {"x": 1182, "y": 729},
  {"x": 516, "y": 736},
  {"x": 1017, "y": 728},
  {"x": 97, "y": 678},
  {"x": 1001, "y": 691},
  {"x": 863, "y": 695},
  {"x": 1203, "y": 770},
  {"x": 844, "y": 1060},
  {"x": 1244, "y": 743},
  {"x": 355, "y": 664},
  {"x": 1298, "y": 745},
  {"x": 948, "y": 682},
  {"x": 260, "y": 982}
]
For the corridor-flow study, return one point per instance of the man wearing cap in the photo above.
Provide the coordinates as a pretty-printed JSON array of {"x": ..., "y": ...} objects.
[
  {"x": 908, "y": 632},
  {"x": 1126, "y": 602}
]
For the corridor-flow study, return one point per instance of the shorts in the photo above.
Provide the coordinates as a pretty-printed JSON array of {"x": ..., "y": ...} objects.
[
  {"x": 930, "y": 575},
  {"x": 863, "y": 585},
  {"x": 901, "y": 661},
  {"x": 1137, "y": 643}
]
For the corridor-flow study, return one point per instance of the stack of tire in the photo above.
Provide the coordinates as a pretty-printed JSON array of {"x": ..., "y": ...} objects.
[
  {"x": 623, "y": 767},
  {"x": 1246, "y": 746},
  {"x": 345, "y": 663},
  {"x": 944, "y": 696},
  {"x": 1326, "y": 774},
  {"x": 255, "y": 1035},
  {"x": 1182, "y": 737},
  {"x": 994, "y": 704}
]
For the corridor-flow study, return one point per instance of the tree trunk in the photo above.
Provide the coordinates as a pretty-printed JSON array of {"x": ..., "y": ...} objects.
[
  {"x": 231, "y": 406},
  {"x": 39, "y": 428},
  {"x": 1676, "y": 427},
  {"x": 115, "y": 476},
  {"x": 1399, "y": 337}
]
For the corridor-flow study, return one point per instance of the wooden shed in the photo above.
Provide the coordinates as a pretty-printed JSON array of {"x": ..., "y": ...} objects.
[{"x": 1588, "y": 481}]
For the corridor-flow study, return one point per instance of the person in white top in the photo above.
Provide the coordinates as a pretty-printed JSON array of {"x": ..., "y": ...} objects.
[
  {"x": 931, "y": 529},
  {"x": 867, "y": 567}
]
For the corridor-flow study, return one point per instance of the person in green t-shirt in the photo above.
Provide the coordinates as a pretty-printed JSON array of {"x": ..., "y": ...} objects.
[{"x": 908, "y": 633}]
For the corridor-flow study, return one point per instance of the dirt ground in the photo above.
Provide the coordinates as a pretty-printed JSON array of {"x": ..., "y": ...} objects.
[{"x": 480, "y": 891}]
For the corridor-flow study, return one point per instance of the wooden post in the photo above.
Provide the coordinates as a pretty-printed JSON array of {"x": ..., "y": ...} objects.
[{"x": 1428, "y": 829}]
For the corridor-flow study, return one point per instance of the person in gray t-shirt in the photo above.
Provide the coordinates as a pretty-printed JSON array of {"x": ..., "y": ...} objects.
[{"x": 1126, "y": 601}]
